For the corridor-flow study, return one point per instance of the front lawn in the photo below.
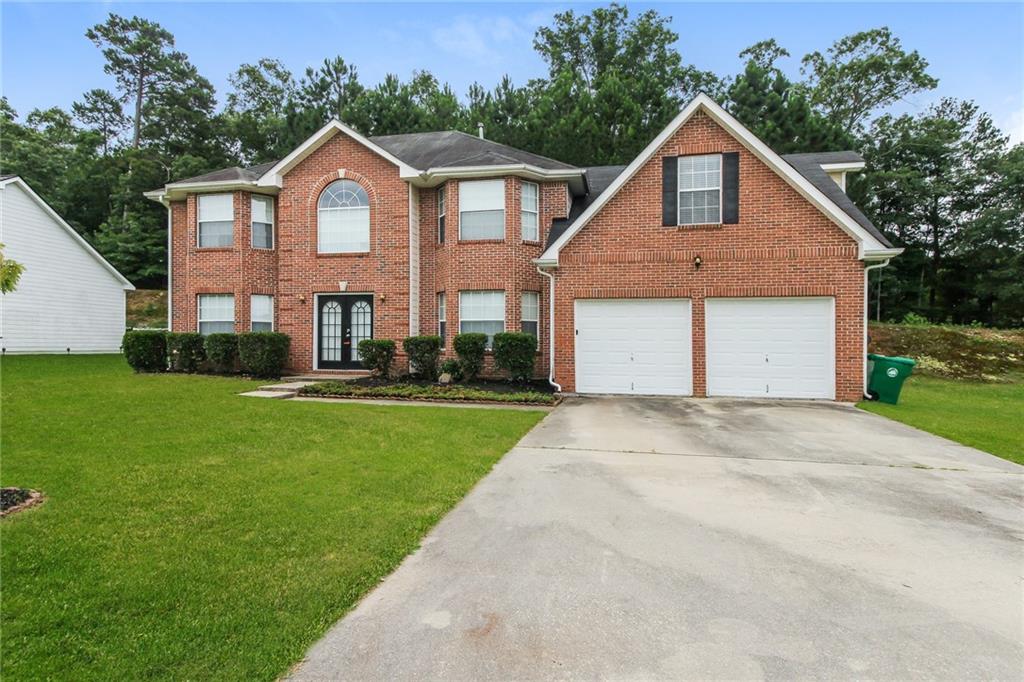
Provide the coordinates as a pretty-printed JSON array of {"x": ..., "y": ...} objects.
[
  {"x": 189, "y": 533},
  {"x": 984, "y": 416}
]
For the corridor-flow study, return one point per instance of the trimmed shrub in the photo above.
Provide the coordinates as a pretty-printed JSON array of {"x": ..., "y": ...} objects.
[
  {"x": 470, "y": 349},
  {"x": 263, "y": 354},
  {"x": 222, "y": 351},
  {"x": 451, "y": 366},
  {"x": 515, "y": 352},
  {"x": 377, "y": 355},
  {"x": 424, "y": 353},
  {"x": 185, "y": 351},
  {"x": 145, "y": 351}
]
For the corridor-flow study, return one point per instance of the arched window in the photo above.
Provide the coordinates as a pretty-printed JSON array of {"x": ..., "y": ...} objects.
[{"x": 343, "y": 218}]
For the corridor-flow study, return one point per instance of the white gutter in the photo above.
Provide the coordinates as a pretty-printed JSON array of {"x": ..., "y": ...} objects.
[
  {"x": 551, "y": 330},
  {"x": 869, "y": 267},
  {"x": 170, "y": 261}
]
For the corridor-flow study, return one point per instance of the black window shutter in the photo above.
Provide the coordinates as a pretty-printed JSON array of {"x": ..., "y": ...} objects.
[
  {"x": 669, "y": 191},
  {"x": 731, "y": 188}
]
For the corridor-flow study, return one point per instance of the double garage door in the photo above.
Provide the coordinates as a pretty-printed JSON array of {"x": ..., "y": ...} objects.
[{"x": 755, "y": 347}]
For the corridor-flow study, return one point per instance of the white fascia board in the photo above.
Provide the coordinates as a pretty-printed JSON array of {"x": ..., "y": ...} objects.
[
  {"x": 178, "y": 190},
  {"x": 849, "y": 167},
  {"x": 881, "y": 254},
  {"x": 128, "y": 286},
  {"x": 273, "y": 177},
  {"x": 758, "y": 148},
  {"x": 435, "y": 176}
]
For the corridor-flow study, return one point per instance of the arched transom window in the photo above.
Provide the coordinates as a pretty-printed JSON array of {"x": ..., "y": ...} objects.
[{"x": 343, "y": 218}]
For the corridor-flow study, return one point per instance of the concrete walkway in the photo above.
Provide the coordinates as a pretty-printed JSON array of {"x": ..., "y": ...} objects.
[{"x": 703, "y": 539}]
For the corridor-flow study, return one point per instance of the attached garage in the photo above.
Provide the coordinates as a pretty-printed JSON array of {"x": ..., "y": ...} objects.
[
  {"x": 638, "y": 346},
  {"x": 771, "y": 347}
]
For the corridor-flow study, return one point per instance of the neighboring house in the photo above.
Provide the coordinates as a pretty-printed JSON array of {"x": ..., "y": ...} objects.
[
  {"x": 707, "y": 266},
  {"x": 69, "y": 299}
]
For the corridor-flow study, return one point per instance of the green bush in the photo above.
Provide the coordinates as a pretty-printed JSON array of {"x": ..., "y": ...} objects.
[
  {"x": 185, "y": 351},
  {"x": 912, "y": 319},
  {"x": 263, "y": 354},
  {"x": 470, "y": 349},
  {"x": 451, "y": 367},
  {"x": 424, "y": 353},
  {"x": 515, "y": 352},
  {"x": 377, "y": 355},
  {"x": 222, "y": 351},
  {"x": 145, "y": 351}
]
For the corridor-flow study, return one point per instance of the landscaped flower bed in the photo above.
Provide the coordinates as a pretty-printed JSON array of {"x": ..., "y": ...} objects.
[{"x": 490, "y": 392}]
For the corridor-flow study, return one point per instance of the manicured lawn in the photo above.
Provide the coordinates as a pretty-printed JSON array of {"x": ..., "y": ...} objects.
[
  {"x": 989, "y": 417},
  {"x": 193, "y": 534}
]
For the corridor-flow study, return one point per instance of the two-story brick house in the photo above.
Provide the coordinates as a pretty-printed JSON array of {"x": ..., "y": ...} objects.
[{"x": 707, "y": 266}]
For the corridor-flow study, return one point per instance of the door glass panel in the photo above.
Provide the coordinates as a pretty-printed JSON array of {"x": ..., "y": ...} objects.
[
  {"x": 330, "y": 332},
  {"x": 362, "y": 326}
]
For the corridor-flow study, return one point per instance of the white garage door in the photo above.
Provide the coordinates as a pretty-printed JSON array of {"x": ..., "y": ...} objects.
[
  {"x": 639, "y": 346},
  {"x": 771, "y": 347}
]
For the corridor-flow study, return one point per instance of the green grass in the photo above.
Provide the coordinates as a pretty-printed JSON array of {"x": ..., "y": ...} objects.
[
  {"x": 989, "y": 417},
  {"x": 190, "y": 533}
]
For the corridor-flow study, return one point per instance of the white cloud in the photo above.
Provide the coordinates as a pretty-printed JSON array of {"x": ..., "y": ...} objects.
[
  {"x": 480, "y": 38},
  {"x": 1014, "y": 126}
]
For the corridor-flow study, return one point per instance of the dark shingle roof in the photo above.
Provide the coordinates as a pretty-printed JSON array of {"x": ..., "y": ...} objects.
[
  {"x": 598, "y": 180},
  {"x": 809, "y": 166},
  {"x": 452, "y": 148},
  {"x": 233, "y": 174},
  {"x": 7, "y": 177}
]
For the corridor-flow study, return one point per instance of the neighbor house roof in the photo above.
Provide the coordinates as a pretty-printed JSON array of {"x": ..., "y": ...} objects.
[{"x": 599, "y": 178}]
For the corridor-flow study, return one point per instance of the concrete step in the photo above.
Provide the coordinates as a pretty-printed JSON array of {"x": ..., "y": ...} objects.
[
  {"x": 277, "y": 395},
  {"x": 292, "y": 386},
  {"x": 344, "y": 375}
]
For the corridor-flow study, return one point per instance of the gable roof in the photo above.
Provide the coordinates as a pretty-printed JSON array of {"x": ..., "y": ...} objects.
[
  {"x": 869, "y": 245},
  {"x": 233, "y": 174},
  {"x": 15, "y": 180},
  {"x": 452, "y": 148},
  {"x": 599, "y": 178}
]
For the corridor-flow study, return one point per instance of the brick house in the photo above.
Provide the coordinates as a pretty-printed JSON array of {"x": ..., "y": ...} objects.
[{"x": 707, "y": 266}]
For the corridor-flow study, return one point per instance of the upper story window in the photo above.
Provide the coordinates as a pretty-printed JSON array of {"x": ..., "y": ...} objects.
[
  {"x": 482, "y": 312},
  {"x": 440, "y": 214},
  {"x": 216, "y": 220},
  {"x": 261, "y": 313},
  {"x": 262, "y": 222},
  {"x": 530, "y": 212},
  {"x": 343, "y": 218},
  {"x": 482, "y": 209},
  {"x": 700, "y": 189},
  {"x": 216, "y": 314}
]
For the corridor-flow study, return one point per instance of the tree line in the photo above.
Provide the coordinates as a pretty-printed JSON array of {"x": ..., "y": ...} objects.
[{"x": 943, "y": 182}]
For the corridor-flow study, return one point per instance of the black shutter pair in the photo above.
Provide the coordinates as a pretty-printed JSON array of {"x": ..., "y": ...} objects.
[{"x": 730, "y": 189}]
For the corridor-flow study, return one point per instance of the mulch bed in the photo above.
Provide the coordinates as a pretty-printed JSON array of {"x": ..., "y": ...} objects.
[
  {"x": 16, "y": 499},
  {"x": 411, "y": 388},
  {"x": 490, "y": 385}
]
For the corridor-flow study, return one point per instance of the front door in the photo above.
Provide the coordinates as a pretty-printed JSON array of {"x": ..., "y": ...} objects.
[{"x": 343, "y": 321}]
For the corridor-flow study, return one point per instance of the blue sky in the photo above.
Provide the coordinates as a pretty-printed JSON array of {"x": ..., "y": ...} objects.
[{"x": 975, "y": 50}]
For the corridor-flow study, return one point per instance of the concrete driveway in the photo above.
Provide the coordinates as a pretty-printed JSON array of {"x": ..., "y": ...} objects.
[{"x": 634, "y": 538}]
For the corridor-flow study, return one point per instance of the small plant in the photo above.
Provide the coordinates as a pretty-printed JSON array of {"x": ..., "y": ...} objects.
[
  {"x": 264, "y": 354},
  {"x": 451, "y": 367},
  {"x": 470, "y": 349},
  {"x": 145, "y": 351},
  {"x": 377, "y": 355},
  {"x": 185, "y": 351},
  {"x": 515, "y": 353},
  {"x": 222, "y": 351},
  {"x": 913, "y": 319},
  {"x": 423, "y": 352}
]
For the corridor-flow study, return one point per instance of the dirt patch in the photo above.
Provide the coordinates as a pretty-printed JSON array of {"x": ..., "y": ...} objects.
[
  {"x": 146, "y": 308},
  {"x": 976, "y": 354},
  {"x": 14, "y": 500}
]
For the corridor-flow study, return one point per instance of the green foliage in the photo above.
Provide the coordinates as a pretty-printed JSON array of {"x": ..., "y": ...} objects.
[
  {"x": 452, "y": 368},
  {"x": 186, "y": 351},
  {"x": 145, "y": 351},
  {"x": 222, "y": 352},
  {"x": 346, "y": 389},
  {"x": 515, "y": 352},
  {"x": 915, "y": 320},
  {"x": 424, "y": 353},
  {"x": 377, "y": 355},
  {"x": 470, "y": 349},
  {"x": 263, "y": 354},
  {"x": 10, "y": 273}
]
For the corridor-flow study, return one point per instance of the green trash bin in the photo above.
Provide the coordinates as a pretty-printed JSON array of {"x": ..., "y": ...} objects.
[{"x": 887, "y": 377}]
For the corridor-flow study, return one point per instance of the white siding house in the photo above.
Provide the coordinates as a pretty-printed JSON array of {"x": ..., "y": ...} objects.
[{"x": 69, "y": 298}]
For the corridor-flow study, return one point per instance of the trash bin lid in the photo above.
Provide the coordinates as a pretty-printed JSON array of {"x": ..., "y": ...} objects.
[
  {"x": 876, "y": 356},
  {"x": 902, "y": 361}
]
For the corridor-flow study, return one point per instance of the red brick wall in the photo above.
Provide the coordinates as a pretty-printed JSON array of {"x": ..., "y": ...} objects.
[{"x": 782, "y": 246}]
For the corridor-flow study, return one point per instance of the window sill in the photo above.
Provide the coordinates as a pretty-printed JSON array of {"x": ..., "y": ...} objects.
[
  {"x": 700, "y": 226},
  {"x": 348, "y": 254},
  {"x": 531, "y": 242},
  {"x": 481, "y": 241},
  {"x": 209, "y": 249},
  {"x": 261, "y": 248}
]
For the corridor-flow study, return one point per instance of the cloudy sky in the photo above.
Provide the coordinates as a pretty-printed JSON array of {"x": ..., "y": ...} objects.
[{"x": 975, "y": 49}]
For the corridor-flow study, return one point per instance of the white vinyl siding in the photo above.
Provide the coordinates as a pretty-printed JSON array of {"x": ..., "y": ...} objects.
[
  {"x": 700, "y": 189},
  {"x": 481, "y": 209},
  {"x": 261, "y": 313},
  {"x": 442, "y": 319},
  {"x": 262, "y": 222},
  {"x": 343, "y": 218},
  {"x": 482, "y": 312},
  {"x": 530, "y": 313},
  {"x": 216, "y": 220},
  {"x": 530, "y": 212},
  {"x": 216, "y": 313}
]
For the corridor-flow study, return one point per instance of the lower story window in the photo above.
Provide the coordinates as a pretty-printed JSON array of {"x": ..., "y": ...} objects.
[
  {"x": 530, "y": 317},
  {"x": 442, "y": 319},
  {"x": 262, "y": 313},
  {"x": 216, "y": 313},
  {"x": 482, "y": 312}
]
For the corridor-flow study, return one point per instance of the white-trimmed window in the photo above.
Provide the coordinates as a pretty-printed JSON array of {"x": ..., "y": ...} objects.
[
  {"x": 442, "y": 319},
  {"x": 440, "y": 214},
  {"x": 481, "y": 209},
  {"x": 216, "y": 314},
  {"x": 700, "y": 189},
  {"x": 530, "y": 314},
  {"x": 343, "y": 218},
  {"x": 216, "y": 220},
  {"x": 482, "y": 312},
  {"x": 261, "y": 313},
  {"x": 530, "y": 212},
  {"x": 262, "y": 222}
]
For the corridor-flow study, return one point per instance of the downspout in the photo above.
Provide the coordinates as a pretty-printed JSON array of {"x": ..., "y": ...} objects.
[
  {"x": 170, "y": 261},
  {"x": 551, "y": 330},
  {"x": 869, "y": 267}
]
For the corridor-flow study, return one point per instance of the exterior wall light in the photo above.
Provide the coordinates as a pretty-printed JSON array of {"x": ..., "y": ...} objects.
[{"x": 697, "y": 262}]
